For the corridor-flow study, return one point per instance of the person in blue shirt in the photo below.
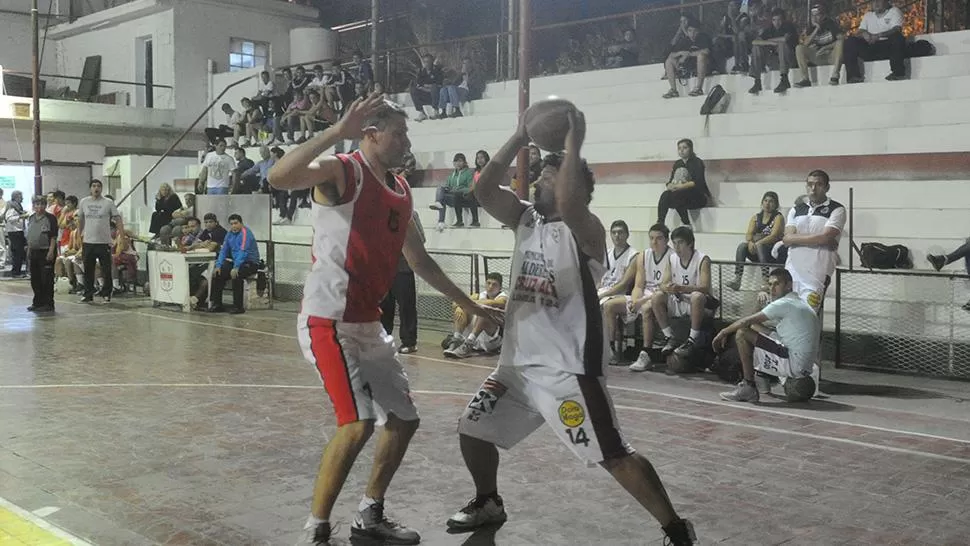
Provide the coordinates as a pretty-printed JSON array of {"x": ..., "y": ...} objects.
[
  {"x": 238, "y": 259},
  {"x": 253, "y": 178}
]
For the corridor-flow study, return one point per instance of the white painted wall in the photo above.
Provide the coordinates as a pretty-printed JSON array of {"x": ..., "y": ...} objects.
[
  {"x": 115, "y": 43},
  {"x": 15, "y": 35}
]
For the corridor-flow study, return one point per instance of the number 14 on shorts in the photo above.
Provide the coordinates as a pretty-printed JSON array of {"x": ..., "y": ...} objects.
[{"x": 572, "y": 414}]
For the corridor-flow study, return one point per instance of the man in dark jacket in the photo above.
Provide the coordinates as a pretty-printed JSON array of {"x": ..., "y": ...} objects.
[{"x": 42, "y": 250}]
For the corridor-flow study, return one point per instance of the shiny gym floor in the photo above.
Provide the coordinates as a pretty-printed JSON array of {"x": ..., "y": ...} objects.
[{"x": 121, "y": 424}]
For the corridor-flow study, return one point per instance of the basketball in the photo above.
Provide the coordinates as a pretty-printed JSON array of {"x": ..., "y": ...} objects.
[
  {"x": 547, "y": 124},
  {"x": 801, "y": 389}
]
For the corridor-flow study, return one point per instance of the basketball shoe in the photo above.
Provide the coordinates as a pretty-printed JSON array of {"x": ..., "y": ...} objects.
[
  {"x": 373, "y": 524},
  {"x": 480, "y": 511}
]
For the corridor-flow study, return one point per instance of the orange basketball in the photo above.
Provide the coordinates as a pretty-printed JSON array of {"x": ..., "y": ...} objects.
[{"x": 547, "y": 124}]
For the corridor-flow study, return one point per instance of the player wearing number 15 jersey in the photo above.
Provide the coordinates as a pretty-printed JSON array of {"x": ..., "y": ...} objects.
[
  {"x": 361, "y": 223},
  {"x": 551, "y": 367}
]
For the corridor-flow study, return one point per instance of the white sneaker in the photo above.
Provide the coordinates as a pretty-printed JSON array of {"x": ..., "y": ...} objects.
[
  {"x": 642, "y": 364},
  {"x": 282, "y": 222},
  {"x": 743, "y": 393},
  {"x": 461, "y": 351},
  {"x": 372, "y": 524},
  {"x": 421, "y": 117},
  {"x": 479, "y": 512},
  {"x": 436, "y": 206},
  {"x": 441, "y": 227}
]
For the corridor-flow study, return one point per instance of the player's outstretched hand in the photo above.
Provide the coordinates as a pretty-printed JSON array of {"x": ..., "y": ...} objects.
[
  {"x": 493, "y": 314},
  {"x": 577, "y": 131},
  {"x": 351, "y": 126}
]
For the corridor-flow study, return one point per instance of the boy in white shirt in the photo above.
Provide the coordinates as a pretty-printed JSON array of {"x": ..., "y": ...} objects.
[{"x": 880, "y": 36}]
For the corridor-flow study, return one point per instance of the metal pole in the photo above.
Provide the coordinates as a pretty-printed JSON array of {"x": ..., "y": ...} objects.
[
  {"x": 525, "y": 52},
  {"x": 374, "y": 16},
  {"x": 510, "y": 53},
  {"x": 838, "y": 318},
  {"x": 851, "y": 238},
  {"x": 35, "y": 84}
]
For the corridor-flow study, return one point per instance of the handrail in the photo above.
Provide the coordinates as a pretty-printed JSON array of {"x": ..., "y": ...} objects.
[{"x": 102, "y": 80}]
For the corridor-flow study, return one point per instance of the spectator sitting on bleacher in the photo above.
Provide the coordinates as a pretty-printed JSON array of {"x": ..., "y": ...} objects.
[
  {"x": 265, "y": 94},
  {"x": 69, "y": 264},
  {"x": 618, "y": 260},
  {"x": 362, "y": 72},
  {"x": 216, "y": 174},
  {"x": 317, "y": 117},
  {"x": 777, "y": 41},
  {"x": 253, "y": 120},
  {"x": 938, "y": 261},
  {"x": 123, "y": 254},
  {"x": 166, "y": 203},
  {"x": 764, "y": 230},
  {"x": 686, "y": 289},
  {"x": 692, "y": 54},
  {"x": 466, "y": 87},
  {"x": 457, "y": 192},
  {"x": 880, "y": 36},
  {"x": 290, "y": 120},
  {"x": 624, "y": 53},
  {"x": 481, "y": 159},
  {"x": 535, "y": 170},
  {"x": 687, "y": 186},
  {"x": 478, "y": 334},
  {"x": 190, "y": 233},
  {"x": 243, "y": 164},
  {"x": 788, "y": 352},
  {"x": 573, "y": 59},
  {"x": 649, "y": 270},
  {"x": 210, "y": 240},
  {"x": 234, "y": 127},
  {"x": 253, "y": 179},
  {"x": 812, "y": 232},
  {"x": 284, "y": 93},
  {"x": 749, "y": 25},
  {"x": 300, "y": 80},
  {"x": 69, "y": 211},
  {"x": 426, "y": 88},
  {"x": 821, "y": 45},
  {"x": 238, "y": 259},
  {"x": 727, "y": 31}
]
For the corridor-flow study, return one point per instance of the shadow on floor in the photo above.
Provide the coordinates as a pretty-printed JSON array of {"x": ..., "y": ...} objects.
[
  {"x": 888, "y": 391},
  {"x": 483, "y": 536},
  {"x": 816, "y": 404}
]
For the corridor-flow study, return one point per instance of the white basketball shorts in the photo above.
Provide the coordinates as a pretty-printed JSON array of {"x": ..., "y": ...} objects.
[
  {"x": 515, "y": 400},
  {"x": 773, "y": 358},
  {"x": 359, "y": 368}
]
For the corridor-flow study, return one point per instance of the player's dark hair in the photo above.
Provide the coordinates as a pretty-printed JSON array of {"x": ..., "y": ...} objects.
[
  {"x": 190, "y": 218},
  {"x": 781, "y": 274},
  {"x": 481, "y": 153},
  {"x": 276, "y": 151},
  {"x": 459, "y": 157},
  {"x": 683, "y": 233},
  {"x": 688, "y": 142},
  {"x": 494, "y": 276},
  {"x": 662, "y": 228},
  {"x": 210, "y": 216},
  {"x": 819, "y": 173},
  {"x": 235, "y": 217},
  {"x": 555, "y": 159},
  {"x": 778, "y": 12},
  {"x": 772, "y": 195},
  {"x": 622, "y": 224},
  {"x": 59, "y": 194},
  {"x": 95, "y": 181},
  {"x": 72, "y": 199}
]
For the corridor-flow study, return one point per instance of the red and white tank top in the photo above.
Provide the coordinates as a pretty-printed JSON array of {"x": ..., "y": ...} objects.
[{"x": 356, "y": 245}]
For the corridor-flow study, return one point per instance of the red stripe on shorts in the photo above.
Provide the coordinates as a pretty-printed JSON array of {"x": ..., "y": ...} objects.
[{"x": 329, "y": 358}]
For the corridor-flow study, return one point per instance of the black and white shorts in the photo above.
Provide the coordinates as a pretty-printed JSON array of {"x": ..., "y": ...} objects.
[{"x": 773, "y": 358}]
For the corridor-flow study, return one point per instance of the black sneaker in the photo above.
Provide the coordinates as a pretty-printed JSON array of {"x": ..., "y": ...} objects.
[
  {"x": 756, "y": 88},
  {"x": 783, "y": 85},
  {"x": 680, "y": 533},
  {"x": 475, "y": 224},
  {"x": 236, "y": 311},
  {"x": 316, "y": 536},
  {"x": 479, "y": 512},
  {"x": 803, "y": 83},
  {"x": 936, "y": 260},
  {"x": 87, "y": 299},
  {"x": 458, "y": 224},
  {"x": 373, "y": 524},
  {"x": 217, "y": 309},
  {"x": 668, "y": 347},
  {"x": 895, "y": 77},
  {"x": 686, "y": 348}
]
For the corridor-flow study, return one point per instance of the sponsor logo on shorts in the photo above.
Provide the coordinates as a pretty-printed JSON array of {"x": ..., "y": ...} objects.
[
  {"x": 813, "y": 299},
  {"x": 571, "y": 413},
  {"x": 483, "y": 402}
]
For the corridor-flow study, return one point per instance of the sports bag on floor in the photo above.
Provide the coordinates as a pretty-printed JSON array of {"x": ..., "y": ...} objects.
[{"x": 880, "y": 256}]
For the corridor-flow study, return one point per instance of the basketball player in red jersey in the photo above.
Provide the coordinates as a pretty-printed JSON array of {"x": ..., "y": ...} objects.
[{"x": 361, "y": 223}]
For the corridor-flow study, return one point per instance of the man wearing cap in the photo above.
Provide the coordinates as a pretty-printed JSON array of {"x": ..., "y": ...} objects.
[{"x": 457, "y": 192}]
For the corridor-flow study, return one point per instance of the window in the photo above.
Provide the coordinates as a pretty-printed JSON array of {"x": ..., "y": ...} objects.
[{"x": 245, "y": 54}]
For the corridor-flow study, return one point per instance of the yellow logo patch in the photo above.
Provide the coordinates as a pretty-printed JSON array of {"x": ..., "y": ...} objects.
[
  {"x": 813, "y": 300},
  {"x": 571, "y": 413}
]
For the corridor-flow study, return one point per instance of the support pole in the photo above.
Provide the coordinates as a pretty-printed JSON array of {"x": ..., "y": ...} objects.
[
  {"x": 35, "y": 84},
  {"x": 510, "y": 51},
  {"x": 525, "y": 53},
  {"x": 374, "y": 16}
]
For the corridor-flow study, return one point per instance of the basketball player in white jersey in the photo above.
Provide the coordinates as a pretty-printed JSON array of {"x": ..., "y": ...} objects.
[
  {"x": 619, "y": 257},
  {"x": 551, "y": 366},
  {"x": 650, "y": 272},
  {"x": 361, "y": 223},
  {"x": 687, "y": 286}
]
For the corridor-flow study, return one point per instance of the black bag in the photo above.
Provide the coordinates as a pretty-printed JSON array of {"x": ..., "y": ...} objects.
[
  {"x": 880, "y": 256},
  {"x": 714, "y": 98},
  {"x": 920, "y": 48}
]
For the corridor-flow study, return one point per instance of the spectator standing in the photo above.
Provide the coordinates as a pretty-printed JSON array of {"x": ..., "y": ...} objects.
[
  {"x": 962, "y": 252},
  {"x": 166, "y": 203},
  {"x": 467, "y": 87},
  {"x": 764, "y": 230},
  {"x": 880, "y": 36},
  {"x": 426, "y": 88},
  {"x": 822, "y": 44},
  {"x": 624, "y": 53},
  {"x": 42, "y": 250},
  {"x": 55, "y": 202},
  {"x": 13, "y": 218},
  {"x": 216, "y": 173},
  {"x": 457, "y": 192},
  {"x": 67, "y": 213},
  {"x": 403, "y": 293},
  {"x": 777, "y": 40},
  {"x": 238, "y": 259},
  {"x": 687, "y": 187},
  {"x": 362, "y": 71},
  {"x": 692, "y": 54},
  {"x": 95, "y": 214}
]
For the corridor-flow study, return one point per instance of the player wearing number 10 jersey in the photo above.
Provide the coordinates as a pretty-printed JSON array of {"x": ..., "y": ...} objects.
[
  {"x": 551, "y": 366},
  {"x": 361, "y": 223}
]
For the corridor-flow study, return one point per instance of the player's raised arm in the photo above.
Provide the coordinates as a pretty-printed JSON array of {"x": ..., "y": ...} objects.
[
  {"x": 501, "y": 203},
  {"x": 573, "y": 192},
  {"x": 298, "y": 170}
]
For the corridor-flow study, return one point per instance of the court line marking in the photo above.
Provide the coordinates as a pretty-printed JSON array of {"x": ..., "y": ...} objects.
[
  {"x": 619, "y": 388},
  {"x": 42, "y": 523},
  {"x": 62, "y": 316},
  {"x": 762, "y": 428}
]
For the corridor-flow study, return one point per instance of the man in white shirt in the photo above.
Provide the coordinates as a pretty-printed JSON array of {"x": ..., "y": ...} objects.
[
  {"x": 880, "y": 36},
  {"x": 788, "y": 352},
  {"x": 13, "y": 220},
  {"x": 95, "y": 214},
  {"x": 812, "y": 233},
  {"x": 216, "y": 173},
  {"x": 265, "y": 94}
]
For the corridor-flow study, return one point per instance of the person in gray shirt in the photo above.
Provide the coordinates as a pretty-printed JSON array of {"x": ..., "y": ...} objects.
[
  {"x": 95, "y": 214},
  {"x": 42, "y": 250}
]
